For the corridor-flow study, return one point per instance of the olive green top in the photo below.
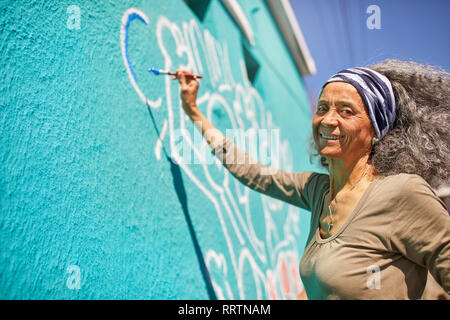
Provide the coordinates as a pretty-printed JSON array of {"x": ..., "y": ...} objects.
[{"x": 398, "y": 230}]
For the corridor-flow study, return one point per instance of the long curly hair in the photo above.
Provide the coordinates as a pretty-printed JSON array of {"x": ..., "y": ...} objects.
[{"x": 419, "y": 141}]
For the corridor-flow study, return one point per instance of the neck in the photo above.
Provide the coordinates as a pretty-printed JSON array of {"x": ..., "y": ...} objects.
[{"x": 345, "y": 174}]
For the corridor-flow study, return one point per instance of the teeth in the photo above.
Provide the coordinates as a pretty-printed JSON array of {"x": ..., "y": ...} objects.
[{"x": 329, "y": 137}]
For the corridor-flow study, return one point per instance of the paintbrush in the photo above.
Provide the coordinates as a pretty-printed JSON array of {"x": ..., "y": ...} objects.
[{"x": 170, "y": 73}]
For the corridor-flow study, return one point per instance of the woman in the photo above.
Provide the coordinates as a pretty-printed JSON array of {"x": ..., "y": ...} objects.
[{"x": 376, "y": 224}]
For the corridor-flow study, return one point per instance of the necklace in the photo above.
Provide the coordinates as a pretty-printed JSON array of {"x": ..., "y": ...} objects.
[{"x": 330, "y": 223}]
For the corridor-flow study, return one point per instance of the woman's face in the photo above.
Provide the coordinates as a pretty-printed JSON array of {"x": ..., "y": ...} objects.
[{"x": 341, "y": 125}]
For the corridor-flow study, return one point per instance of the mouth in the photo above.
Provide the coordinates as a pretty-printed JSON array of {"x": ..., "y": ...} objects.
[{"x": 329, "y": 137}]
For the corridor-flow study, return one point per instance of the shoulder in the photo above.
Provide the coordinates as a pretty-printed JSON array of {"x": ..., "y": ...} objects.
[
  {"x": 311, "y": 186},
  {"x": 405, "y": 184},
  {"x": 310, "y": 179},
  {"x": 317, "y": 182},
  {"x": 409, "y": 191},
  {"x": 320, "y": 178}
]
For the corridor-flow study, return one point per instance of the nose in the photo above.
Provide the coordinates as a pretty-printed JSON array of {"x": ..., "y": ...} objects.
[{"x": 330, "y": 118}]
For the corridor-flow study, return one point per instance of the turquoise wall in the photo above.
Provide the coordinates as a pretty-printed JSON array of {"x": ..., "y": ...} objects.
[{"x": 98, "y": 199}]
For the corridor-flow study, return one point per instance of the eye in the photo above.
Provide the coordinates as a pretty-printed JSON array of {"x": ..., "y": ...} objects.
[
  {"x": 347, "y": 112},
  {"x": 322, "y": 109}
]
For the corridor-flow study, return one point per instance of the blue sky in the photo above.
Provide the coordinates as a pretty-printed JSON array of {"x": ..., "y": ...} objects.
[{"x": 337, "y": 36}]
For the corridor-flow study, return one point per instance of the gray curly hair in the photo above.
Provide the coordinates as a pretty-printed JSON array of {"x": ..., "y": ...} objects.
[{"x": 419, "y": 141}]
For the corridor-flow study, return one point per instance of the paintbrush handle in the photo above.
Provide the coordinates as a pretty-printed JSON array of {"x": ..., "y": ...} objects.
[{"x": 174, "y": 74}]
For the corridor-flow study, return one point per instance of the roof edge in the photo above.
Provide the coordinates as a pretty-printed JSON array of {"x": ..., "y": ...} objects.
[
  {"x": 290, "y": 30},
  {"x": 238, "y": 15}
]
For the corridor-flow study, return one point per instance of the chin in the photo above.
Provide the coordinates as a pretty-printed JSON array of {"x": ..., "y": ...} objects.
[{"x": 331, "y": 153}]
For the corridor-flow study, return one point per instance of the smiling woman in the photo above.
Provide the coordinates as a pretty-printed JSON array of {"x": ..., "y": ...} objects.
[
  {"x": 377, "y": 226},
  {"x": 343, "y": 133},
  {"x": 389, "y": 130},
  {"x": 418, "y": 141},
  {"x": 341, "y": 125}
]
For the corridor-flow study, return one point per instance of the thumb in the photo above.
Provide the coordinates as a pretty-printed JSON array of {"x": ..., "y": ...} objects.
[{"x": 181, "y": 78}]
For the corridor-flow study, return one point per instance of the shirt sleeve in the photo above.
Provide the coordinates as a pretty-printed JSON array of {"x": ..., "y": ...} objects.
[
  {"x": 421, "y": 230},
  {"x": 296, "y": 188}
]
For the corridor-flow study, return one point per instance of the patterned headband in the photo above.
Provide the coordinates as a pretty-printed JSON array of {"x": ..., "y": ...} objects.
[{"x": 376, "y": 92}]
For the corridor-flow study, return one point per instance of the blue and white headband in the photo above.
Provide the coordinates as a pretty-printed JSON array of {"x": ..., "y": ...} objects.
[{"x": 376, "y": 92}]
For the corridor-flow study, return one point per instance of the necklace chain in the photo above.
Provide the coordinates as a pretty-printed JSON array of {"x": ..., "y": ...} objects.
[{"x": 330, "y": 223}]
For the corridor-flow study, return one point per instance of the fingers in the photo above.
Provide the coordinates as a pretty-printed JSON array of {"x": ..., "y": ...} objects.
[
  {"x": 181, "y": 78},
  {"x": 184, "y": 75}
]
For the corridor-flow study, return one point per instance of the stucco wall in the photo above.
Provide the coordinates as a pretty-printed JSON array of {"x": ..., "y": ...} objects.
[{"x": 91, "y": 205}]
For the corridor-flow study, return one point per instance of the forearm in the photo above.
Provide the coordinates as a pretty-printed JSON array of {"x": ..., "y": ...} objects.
[
  {"x": 213, "y": 136},
  {"x": 235, "y": 160},
  {"x": 275, "y": 183}
]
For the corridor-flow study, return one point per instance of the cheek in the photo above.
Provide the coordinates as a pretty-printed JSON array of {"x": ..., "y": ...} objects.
[
  {"x": 360, "y": 134},
  {"x": 314, "y": 132},
  {"x": 315, "y": 124}
]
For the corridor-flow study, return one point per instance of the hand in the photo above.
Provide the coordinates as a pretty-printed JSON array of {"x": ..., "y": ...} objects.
[
  {"x": 189, "y": 88},
  {"x": 188, "y": 91}
]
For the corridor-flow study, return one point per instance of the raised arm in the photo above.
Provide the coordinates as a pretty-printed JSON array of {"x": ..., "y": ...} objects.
[
  {"x": 295, "y": 188},
  {"x": 188, "y": 92}
]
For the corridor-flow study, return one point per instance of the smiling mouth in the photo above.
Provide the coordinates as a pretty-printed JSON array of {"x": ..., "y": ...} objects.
[{"x": 326, "y": 137}]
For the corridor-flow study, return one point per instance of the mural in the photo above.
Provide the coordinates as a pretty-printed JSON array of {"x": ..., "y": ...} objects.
[
  {"x": 107, "y": 190},
  {"x": 268, "y": 258}
]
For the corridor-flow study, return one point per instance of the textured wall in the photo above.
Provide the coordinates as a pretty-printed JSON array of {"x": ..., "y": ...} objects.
[{"x": 91, "y": 205}]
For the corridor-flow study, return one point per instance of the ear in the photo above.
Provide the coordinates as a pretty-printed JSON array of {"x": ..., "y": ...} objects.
[{"x": 374, "y": 140}]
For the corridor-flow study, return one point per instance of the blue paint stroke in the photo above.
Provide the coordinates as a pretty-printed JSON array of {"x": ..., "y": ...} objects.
[{"x": 130, "y": 18}]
